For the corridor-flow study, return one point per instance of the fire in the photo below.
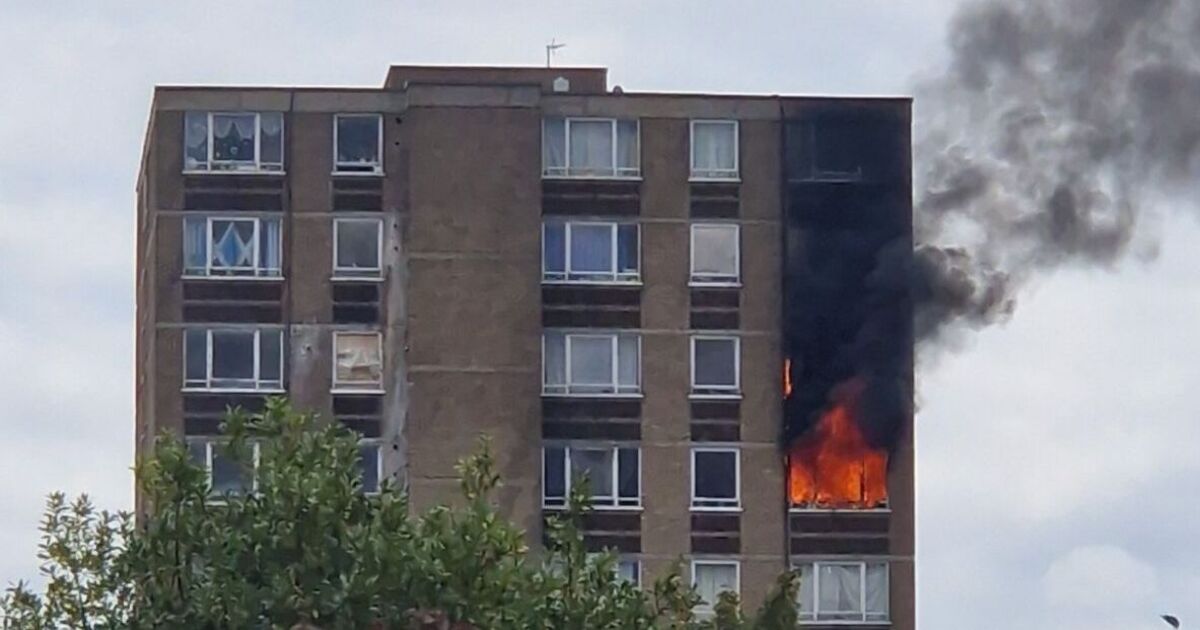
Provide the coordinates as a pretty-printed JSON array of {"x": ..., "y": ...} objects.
[
  {"x": 787, "y": 378},
  {"x": 832, "y": 466}
]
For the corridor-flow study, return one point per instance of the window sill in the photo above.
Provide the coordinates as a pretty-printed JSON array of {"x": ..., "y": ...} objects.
[
  {"x": 233, "y": 172},
  {"x": 732, "y": 284},
  {"x": 842, "y": 622},
  {"x": 807, "y": 510},
  {"x": 378, "y": 173},
  {"x": 638, "y": 396},
  {"x": 603, "y": 178},
  {"x": 728, "y": 510},
  {"x": 376, "y": 279},
  {"x": 593, "y": 283},
  {"x": 598, "y": 508},
  {"x": 374, "y": 391},
  {"x": 695, "y": 179},
  {"x": 216, "y": 278},
  {"x": 231, "y": 390},
  {"x": 729, "y": 396}
]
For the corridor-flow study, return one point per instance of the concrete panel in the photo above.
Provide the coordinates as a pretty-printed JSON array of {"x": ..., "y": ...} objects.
[
  {"x": 683, "y": 106},
  {"x": 366, "y": 100},
  {"x": 432, "y": 95},
  {"x": 762, "y": 389},
  {"x": 759, "y": 157},
  {"x": 666, "y": 520},
  {"x": 173, "y": 98},
  {"x": 168, "y": 362},
  {"x": 758, "y": 580},
  {"x": 310, "y": 368},
  {"x": 664, "y": 168},
  {"x": 166, "y": 161},
  {"x": 764, "y": 509},
  {"x": 665, "y": 383},
  {"x": 308, "y": 266},
  {"x": 665, "y": 268},
  {"x": 168, "y": 267},
  {"x": 762, "y": 277},
  {"x": 310, "y": 161}
]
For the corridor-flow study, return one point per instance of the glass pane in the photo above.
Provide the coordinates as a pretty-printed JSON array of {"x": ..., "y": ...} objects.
[
  {"x": 358, "y": 140},
  {"x": 229, "y": 475},
  {"x": 554, "y": 253},
  {"x": 271, "y": 244},
  {"x": 839, "y": 591},
  {"x": 357, "y": 244},
  {"x": 270, "y": 356},
  {"x": 554, "y": 484},
  {"x": 713, "y": 148},
  {"x": 198, "y": 453},
  {"x": 195, "y": 245},
  {"x": 272, "y": 138},
  {"x": 233, "y": 137},
  {"x": 627, "y": 248},
  {"x": 877, "y": 591},
  {"x": 195, "y": 140},
  {"x": 716, "y": 363},
  {"x": 233, "y": 355},
  {"x": 195, "y": 352},
  {"x": 368, "y": 466},
  {"x": 554, "y": 144},
  {"x": 713, "y": 579},
  {"x": 627, "y": 145},
  {"x": 714, "y": 250},
  {"x": 629, "y": 362},
  {"x": 597, "y": 465},
  {"x": 628, "y": 570},
  {"x": 591, "y": 248},
  {"x": 627, "y": 473},
  {"x": 716, "y": 476},
  {"x": 233, "y": 245},
  {"x": 591, "y": 147},
  {"x": 591, "y": 360},
  {"x": 808, "y": 589},
  {"x": 358, "y": 360},
  {"x": 555, "y": 369}
]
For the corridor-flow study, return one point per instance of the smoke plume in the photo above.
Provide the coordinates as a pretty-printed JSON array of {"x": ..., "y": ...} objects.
[{"x": 1056, "y": 128}]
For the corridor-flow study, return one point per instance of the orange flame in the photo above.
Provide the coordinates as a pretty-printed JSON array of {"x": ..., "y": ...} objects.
[
  {"x": 832, "y": 466},
  {"x": 787, "y": 378}
]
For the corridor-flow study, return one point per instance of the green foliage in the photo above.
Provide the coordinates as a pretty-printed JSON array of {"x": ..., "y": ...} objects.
[{"x": 308, "y": 549}]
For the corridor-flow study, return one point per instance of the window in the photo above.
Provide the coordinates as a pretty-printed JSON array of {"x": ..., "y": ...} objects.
[
  {"x": 715, "y": 478},
  {"x": 370, "y": 466},
  {"x": 226, "y": 475},
  {"x": 590, "y": 147},
  {"x": 843, "y": 591},
  {"x": 357, "y": 244},
  {"x": 357, "y": 361},
  {"x": 240, "y": 247},
  {"x": 234, "y": 141},
  {"x": 713, "y": 577},
  {"x": 715, "y": 254},
  {"x": 589, "y": 252},
  {"x": 630, "y": 570},
  {"x": 233, "y": 359},
  {"x": 716, "y": 364},
  {"x": 714, "y": 149},
  {"x": 612, "y": 473},
  {"x": 358, "y": 142},
  {"x": 591, "y": 363}
]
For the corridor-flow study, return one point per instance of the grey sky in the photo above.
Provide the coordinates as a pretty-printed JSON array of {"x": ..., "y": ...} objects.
[{"x": 1057, "y": 471}]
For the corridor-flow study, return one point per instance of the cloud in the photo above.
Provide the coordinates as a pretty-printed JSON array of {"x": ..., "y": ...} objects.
[{"x": 1100, "y": 578}]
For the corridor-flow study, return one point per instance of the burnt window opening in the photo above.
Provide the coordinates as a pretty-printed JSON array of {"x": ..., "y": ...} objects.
[{"x": 852, "y": 147}]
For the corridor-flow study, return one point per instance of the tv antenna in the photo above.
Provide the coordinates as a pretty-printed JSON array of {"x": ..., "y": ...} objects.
[{"x": 552, "y": 48}]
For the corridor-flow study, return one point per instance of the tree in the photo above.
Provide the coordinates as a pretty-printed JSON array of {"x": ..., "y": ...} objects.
[{"x": 308, "y": 549}]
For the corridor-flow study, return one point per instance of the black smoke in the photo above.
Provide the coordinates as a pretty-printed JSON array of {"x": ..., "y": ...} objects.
[{"x": 1056, "y": 128}]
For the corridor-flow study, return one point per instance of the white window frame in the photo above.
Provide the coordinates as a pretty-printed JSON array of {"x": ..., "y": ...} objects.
[
  {"x": 710, "y": 607},
  {"x": 210, "y": 446},
  {"x": 727, "y": 176},
  {"x": 615, "y": 276},
  {"x": 359, "y": 273},
  {"x": 377, "y": 167},
  {"x": 634, "y": 173},
  {"x": 257, "y": 167},
  {"x": 815, "y": 618},
  {"x": 615, "y": 338},
  {"x": 717, "y": 391},
  {"x": 721, "y": 281},
  {"x": 354, "y": 387},
  {"x": 258, "y": 380},
  {"x": 377, "y": 444},
  {"x": 259, "y": 272},
  {"x": 706, "y": 504},
  {"x": 597, "y": 502}
]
